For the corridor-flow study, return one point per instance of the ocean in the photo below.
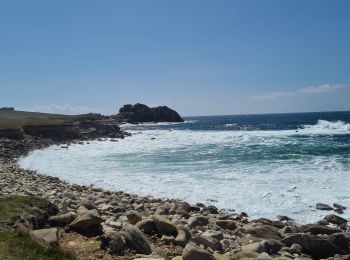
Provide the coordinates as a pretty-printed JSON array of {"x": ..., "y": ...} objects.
[{"x": 264, "y": 165}]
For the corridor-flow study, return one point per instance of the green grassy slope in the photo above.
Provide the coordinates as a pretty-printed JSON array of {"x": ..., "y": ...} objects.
[
  {"x": 17, "y": 245},
  {"x": 16, "y": 119}
]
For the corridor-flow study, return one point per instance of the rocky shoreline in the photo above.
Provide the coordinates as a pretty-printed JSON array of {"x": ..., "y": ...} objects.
[{"x": 98, "y": 224}]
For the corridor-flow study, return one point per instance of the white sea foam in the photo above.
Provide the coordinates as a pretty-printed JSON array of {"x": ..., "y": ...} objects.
[
  {"x": 241, "y": 170},
  {"x": 327, "y": 126}
]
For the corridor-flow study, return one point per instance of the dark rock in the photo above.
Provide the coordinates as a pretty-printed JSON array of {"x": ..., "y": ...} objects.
[
  {"x": 313, "y": 245},
  {"x": 272, "y": 246},
  {"x": 226, "y": 224},
  {"x": 197, "y": 221},
  {"x": 164, "y": 225},
  {"x": 319, "y": 229},
  {"x": 211, "y": 242},
  {"x": 140, "y": 113},
  {"x": 340, "y": 240},
  {"x": 334, "y": 219},
  {"x": 339, "y": 206},
  {"x": 321, "y": 206},
  {"x": 147, "y": 226},
  {"x": 262, "y": 231}
]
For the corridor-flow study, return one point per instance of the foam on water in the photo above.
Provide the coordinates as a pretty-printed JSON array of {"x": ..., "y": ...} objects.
[{"x": 264, "y": 173}]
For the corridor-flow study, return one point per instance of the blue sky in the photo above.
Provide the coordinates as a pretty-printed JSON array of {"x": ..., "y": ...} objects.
[{"x": 199, "y": 57}]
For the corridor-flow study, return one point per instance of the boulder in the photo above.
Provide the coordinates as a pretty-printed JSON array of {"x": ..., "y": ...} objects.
[
  {"x": 197, "y": 221},
  {"x": 62, "y": 220},
  {"x": 211, "y": 242},
  {"x": 164, "y": 225},
  {"x": 334, "y": 219},
  {"x": 46, "y": 237},
  {"x": 183, "y": 235},
  {"x": 136, "y": 240},
  {"x": 86, "y": 220},
  {"x": 262, "y": 230},
  {"x": 313, "y": 245},
  {"x": 315, "y": 229},
  {"x": 140, "y": 113},
  {"x": 114, "y": 243},
  {"x": 322, "y": 206},
  {"x": 193, "y": 252},
  {"x": 147, "y": 226},
  {"x": 133, "y": 217},
  {"x": 226, "y": 224}
]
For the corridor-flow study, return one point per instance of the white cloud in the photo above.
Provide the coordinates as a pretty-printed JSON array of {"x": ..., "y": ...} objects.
[
  {"x": 273, "y": 95},
  {"x": 321, "y": 89},
  {"x": 66, "y": 109},
  {"x": 325, "y": 88}
]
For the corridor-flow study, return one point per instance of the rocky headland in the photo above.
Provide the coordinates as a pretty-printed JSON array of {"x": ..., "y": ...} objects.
[{"x": 92, "y": 223}]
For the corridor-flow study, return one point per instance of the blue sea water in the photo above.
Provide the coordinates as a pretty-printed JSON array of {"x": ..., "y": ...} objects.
[{"x": 265, "y": 165}]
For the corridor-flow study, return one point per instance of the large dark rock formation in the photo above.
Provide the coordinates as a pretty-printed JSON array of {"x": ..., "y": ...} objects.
[{"x": 140, "y": 113}]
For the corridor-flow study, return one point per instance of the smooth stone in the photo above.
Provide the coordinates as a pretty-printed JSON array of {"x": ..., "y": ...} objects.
[
  {"x": 226, "y": 224},
  {"x": 164, "y": 225},
  {"x": 197, "y": 221},
  {"x": 133, "y": 217},
  {"x": 136, "y": 240},
  {"x": 322, "y": 206},
  {"x": 193, "y": 252},
  {"x": 47, "y": 237},
  {"x": 334, "y": 219}
]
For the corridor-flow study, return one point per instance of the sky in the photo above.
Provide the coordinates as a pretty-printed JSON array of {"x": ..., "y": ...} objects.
[{"x": 199, "y": 57}]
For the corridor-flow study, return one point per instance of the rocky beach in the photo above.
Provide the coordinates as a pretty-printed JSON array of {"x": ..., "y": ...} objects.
[{"x": 93, "y": 223}]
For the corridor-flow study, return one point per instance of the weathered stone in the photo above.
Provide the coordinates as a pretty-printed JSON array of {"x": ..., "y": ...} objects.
[
  {"x": 262, "y": 231},
  {"x": 62, "y": 220},
  {"x": 295, "y": 249},
  {"x": 334, "y": 219},
  {"x": 245, "y": 255},
  {"x": 147, "y": 226},
  {"x": 197, "y": 221},
  {"x": 322, "y": 206},
  {"x": 211, "y": 242},
  {"x": 133, "y": 217},
  {"x": 136, "y": 240},
  {"x": 164, "y": 225},
  {"x": 313, "y": 245},
  {"x": 47, "y": 237},
  {"x": 315, "y": 229},
  {"x": 192, "y": 252},
  {"x": 86, "y": 220},
  {"x": 183, "y": 235},
  {"x": 254, "y": 247},
  {"x": 226, "y": 224}
]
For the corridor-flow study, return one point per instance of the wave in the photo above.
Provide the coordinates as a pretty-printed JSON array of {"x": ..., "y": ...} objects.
[
  {"x": 328, "y": 126},
  {"x": 126, "y": 125}
]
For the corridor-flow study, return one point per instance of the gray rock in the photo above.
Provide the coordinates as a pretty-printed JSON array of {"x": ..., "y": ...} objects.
[
  {"x": 211, "y": 242},
  {"x": 197, "y": 221},
  {"x": 85, "y": 220},
  {"x": 164, "y": 225},
  {"x": 262, "y": 230},
  {"x": 192, "y": 252},
  {"x": 47, "y": 237},
  {"x": 62, "y": 220},
  {"x": 133, "y": 217},
  {"x": 183, "y": 235},
  {"x": 295, "y": 249},
  {"x": 136, "y": 240}
]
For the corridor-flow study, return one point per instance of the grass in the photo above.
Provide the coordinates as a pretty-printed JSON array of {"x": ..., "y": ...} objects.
[
  {"x": 10, "y": 207},
  {"x": 17, "y": 119},
  {"x": 16, "y": 245}
]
